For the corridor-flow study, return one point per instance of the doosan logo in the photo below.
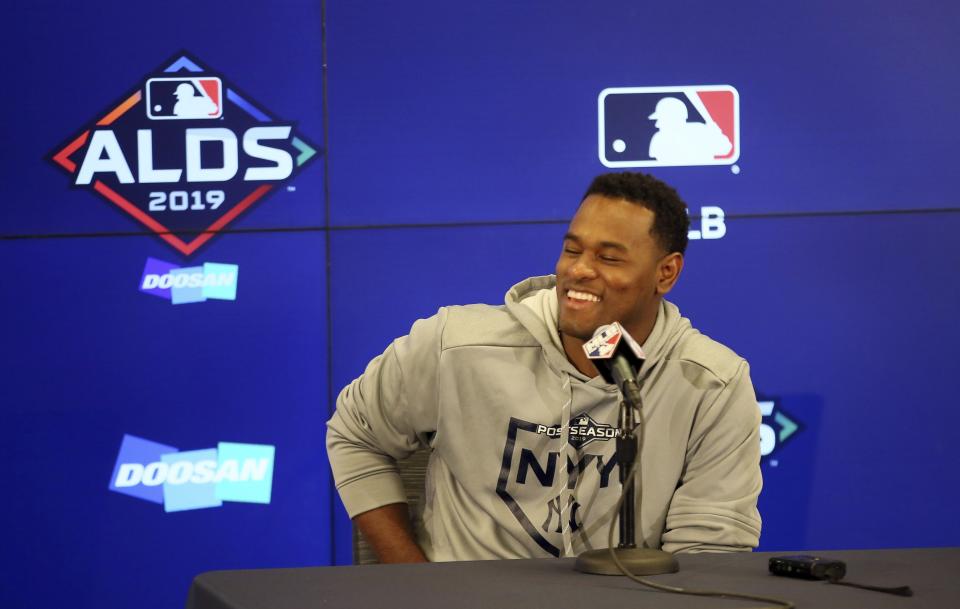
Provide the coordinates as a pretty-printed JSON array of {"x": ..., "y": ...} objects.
[
  {"x": 212, "y": 280},
  {"x": 194, "y": 479},
  {"x": 188, "y": 472}
]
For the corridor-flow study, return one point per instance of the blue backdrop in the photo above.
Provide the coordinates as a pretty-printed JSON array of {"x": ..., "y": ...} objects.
[{"x": 436, "y": 152}]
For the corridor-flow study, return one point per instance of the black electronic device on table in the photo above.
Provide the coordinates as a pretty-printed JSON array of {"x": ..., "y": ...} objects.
[{"x": 806, "y": 566}]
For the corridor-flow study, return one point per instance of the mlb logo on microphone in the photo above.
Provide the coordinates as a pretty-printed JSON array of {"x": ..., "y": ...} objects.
[
  {"x": 184, "y": 98},
  {"x": 669, "y": 126},
  {"x": 604, "y": 342}
]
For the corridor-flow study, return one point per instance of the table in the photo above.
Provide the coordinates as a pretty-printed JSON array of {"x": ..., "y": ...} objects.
[{"x": 933, "y": 573}]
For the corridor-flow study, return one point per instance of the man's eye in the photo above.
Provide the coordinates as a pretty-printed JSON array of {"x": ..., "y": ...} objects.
[
  {"x": 609, "y": 259},
  {"x": 568, "y": 250}
]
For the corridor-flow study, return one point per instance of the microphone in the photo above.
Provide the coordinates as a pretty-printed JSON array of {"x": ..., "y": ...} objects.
[{"x": 618, "y": 358}]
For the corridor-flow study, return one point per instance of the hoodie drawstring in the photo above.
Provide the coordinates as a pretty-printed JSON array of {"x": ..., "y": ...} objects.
[{"x": 568, "y": 455}]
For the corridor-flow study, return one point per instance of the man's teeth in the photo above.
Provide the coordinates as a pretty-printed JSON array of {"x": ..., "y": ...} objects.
[{"x": 582, "y": 296}]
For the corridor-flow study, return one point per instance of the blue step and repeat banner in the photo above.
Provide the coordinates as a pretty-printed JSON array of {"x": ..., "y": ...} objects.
[{"x": 213, "y": 216}]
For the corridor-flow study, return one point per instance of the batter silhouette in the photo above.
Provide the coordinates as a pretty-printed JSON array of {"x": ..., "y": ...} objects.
[
  {"x": 679, "y": 142},
  {"x": 191, "y": 105}
]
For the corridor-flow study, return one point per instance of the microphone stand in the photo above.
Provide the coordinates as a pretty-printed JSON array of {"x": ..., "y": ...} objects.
[{"x": 638, "y": 561}]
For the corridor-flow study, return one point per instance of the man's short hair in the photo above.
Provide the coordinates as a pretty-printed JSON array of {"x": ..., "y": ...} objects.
[{"x": 670, "y": 219}]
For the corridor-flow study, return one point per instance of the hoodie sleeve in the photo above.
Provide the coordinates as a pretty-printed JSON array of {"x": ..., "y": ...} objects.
[
  {"x": 715, "y": 507},
  {"x": 385, "y": 415}
]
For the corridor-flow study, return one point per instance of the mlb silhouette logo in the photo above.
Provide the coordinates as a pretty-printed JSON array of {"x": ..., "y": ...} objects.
[
  {"x": 669, "y": 126},
  {"x": 184, "y": 98},
  {"x": 604, "y": 342}
]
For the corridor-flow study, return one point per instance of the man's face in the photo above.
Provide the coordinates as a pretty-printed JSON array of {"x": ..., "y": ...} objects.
[{"x": 611, "y": 269}]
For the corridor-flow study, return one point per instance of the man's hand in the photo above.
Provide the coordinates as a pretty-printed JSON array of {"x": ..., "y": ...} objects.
[{"x": 387, "y": 530}]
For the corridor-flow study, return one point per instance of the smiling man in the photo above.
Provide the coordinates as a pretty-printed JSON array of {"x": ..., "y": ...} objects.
[{"x": 521, "y": 425}]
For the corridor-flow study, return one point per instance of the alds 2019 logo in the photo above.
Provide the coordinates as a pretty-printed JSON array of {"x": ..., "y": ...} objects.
[{"x": 184, "y": 153}]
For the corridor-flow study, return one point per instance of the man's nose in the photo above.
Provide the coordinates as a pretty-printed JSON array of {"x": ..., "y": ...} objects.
[{"x": 583, "y": 268}]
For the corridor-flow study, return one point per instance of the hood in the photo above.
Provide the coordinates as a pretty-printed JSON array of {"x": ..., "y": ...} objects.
[{"x": 533, "y": 302}]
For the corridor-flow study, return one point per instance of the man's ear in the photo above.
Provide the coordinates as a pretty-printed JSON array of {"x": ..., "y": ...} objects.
[{"x": 668, "y": 271}]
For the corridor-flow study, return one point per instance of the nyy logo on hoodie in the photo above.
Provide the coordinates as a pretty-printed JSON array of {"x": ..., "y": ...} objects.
[{"x": 532, "y": 462}]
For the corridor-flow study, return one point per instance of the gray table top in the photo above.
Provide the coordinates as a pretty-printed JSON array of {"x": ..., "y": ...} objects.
[{"x": 932, "y": 573}]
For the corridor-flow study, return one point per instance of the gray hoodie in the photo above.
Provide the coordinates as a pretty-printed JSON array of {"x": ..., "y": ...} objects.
[{"x": 491, "y": 391}]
